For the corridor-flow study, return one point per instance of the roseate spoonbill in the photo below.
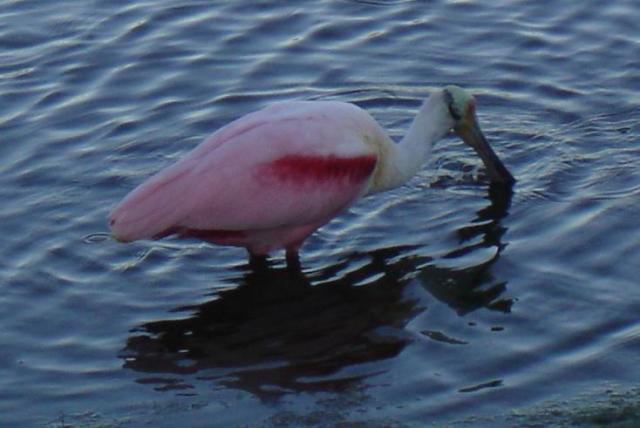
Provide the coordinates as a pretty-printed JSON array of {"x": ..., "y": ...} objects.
[{"x": 268, "y": 180}]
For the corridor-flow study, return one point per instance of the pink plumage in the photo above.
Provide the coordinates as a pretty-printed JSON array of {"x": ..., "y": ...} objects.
[
  {"x": 265, "y": 181},
  {"x": 269, "y": 179}
]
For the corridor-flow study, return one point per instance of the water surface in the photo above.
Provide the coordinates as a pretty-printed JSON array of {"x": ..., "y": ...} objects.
[{"x": 443, "y": 301}]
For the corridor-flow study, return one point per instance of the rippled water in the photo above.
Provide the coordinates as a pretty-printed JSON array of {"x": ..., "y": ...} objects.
[{"x": 441, "y": 301}]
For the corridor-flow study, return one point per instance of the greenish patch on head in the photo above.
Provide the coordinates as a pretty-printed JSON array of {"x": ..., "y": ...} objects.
[{"x": 458, "y": 101}]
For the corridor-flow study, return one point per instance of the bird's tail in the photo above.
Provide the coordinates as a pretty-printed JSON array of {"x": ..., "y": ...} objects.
[{"x": 152, "y": 208}]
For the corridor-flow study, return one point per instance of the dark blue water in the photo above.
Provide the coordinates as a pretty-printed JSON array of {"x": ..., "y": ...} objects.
[{"x": 441, "y": 302}]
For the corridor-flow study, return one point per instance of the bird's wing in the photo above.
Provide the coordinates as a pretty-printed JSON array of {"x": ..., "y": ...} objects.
[{"x": 266, "y": 170}]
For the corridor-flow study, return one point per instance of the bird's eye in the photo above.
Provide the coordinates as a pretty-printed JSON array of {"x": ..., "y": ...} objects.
[{"x": 450, "y": 105}]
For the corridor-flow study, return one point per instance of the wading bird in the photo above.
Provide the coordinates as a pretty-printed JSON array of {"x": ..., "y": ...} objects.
[{"x": 268, "y": 180}]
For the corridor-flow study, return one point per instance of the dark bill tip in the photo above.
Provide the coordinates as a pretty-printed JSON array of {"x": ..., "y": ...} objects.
[{"x": 497, "y": 172}]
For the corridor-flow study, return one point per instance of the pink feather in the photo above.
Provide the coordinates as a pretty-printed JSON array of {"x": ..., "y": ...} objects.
[{"x": 264, "y": 182}]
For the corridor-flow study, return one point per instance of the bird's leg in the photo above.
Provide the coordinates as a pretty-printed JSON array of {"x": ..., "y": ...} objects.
[
  {"x": 258, "y": 262},
  {"x": 293, "y": 259}
]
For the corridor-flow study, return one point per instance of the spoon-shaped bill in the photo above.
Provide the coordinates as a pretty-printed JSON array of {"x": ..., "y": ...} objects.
[{"x": 472, "y": 135}]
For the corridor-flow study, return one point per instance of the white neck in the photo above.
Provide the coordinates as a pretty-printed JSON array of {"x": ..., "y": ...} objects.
[{"x": 406, "y": 157}]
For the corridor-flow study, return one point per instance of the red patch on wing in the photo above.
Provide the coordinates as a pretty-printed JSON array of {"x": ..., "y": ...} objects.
[{"x": 313, "y": 169}]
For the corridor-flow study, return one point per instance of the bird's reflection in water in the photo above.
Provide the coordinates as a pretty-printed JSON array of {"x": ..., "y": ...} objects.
[
  {"x": 471, "y": 287},
  {"x": 276, "y": 332},
  {"x": 283, "y": 331}
]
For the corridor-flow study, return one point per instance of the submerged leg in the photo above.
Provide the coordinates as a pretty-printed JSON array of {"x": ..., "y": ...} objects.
[
  {"x": 258, "y": 261},
  {"x": 293, "y": 259}
]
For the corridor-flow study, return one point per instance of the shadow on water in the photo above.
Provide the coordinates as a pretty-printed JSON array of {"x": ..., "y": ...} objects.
[
  {"x": 281, "y": 330},
  {"x": 470, "y": 287}
]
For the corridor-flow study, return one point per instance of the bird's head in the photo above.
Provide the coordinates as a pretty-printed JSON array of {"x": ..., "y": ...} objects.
[{"x": 461, "y": 105}]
